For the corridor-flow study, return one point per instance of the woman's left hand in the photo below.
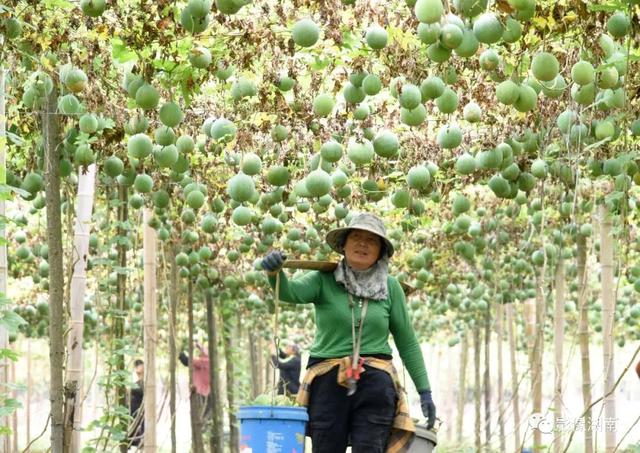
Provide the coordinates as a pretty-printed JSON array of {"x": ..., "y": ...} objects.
[{"x": 428, "y": 408}]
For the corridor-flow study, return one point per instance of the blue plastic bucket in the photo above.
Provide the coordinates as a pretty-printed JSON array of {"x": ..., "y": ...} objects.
[{"x": 272, "y": 429}]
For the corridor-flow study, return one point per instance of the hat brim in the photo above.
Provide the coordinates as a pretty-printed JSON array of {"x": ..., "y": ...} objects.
[{"x": 336, "y": 236}]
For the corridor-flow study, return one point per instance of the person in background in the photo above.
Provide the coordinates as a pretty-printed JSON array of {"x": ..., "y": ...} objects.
[
  {"x": 288, "y": 362},
  {"x": 201, "y": 378},
  {"x": 136, "y": 409},
  {"x": 638, "y": 369}
]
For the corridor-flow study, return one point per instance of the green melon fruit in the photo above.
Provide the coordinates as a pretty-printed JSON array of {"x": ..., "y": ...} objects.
[
  {"x": 465, "y": 164},
  {"x": 243, "y": 88},
  {"x": 147, "y": 97},
  {"x": 170, "y": 114},
  {"x": 527, "y": 99},
  {"x": 69, "y": 105},
  {"x": 469, "y": 44},
  {"x": 472, "y": 112},
  {"x": 195, "y": 199},
  {"x": 353, "y": 94},
  {"x": 241, "y": 187},
  {"x": 139, "y": 146},
  {"x": 200, "y": 57},
  {"x": 428, "y": 33},
  {"x": 539, "y": 168},
  {"x": 460, "y": 205},
  {"x": 113, "y": 166},
  {"x": 75, "y": 80},
  {"x": 511, "y": 172},
  {"x": 143, "y": 183},
  {"x": 331, "y": 151},
  {"x": 583, "y": 95},
  {"x": 223, "y": 70},
  {"x": 431, "y": 88},
  {"x": 449, "y": 137},
  {"x": 488, "y": 28},
  {"x": 565, "y": 120},
  {"x": 618, "y": 25},
  {"x": 164, "y": 136},
  {"x": 223, "y": 130},
  {"x": 279, "y": 133},
  {"x": 84, "y": 156},
  {"x": 448, "y": 101},
  {"x": 489, "y": 60},
  {"x": 401, "y": 198},
  {"x": 418, "y": 177},
  {"x": 608, "y": 78},
  {"x": 194, "y": 23},
  {"x": 635, "y": 128},
  {"x": 32, "y": 183},
  {"x": 360, "y": 153},
  {"x": 438, "y": 53},
  {"x": 136, "y": 125},
  {"x": 323, "y": 104},
  {"x": 93, "y": 8},
  {"x": 371, "y": 84},
  {"x": 605, "y": 129},
  {"x": 429, "y": 11},
  {"x": 499, "y": 186},
  {"x": 285, "y": 83},
  {"x": 199, "y": 8},
  {"x": 555, "y": 88},
  {"x": 318, "y": 183},
  {"x": 185, "y": 144},
  {"x": 376, "y": 37},
  {"x": 361, "y": 112},
  {"x": 413, "y": 117},
  {"x": 583, "y": 72},
  {"x": 451, "y": 36},
  {"x": 470, "y": 8},
  {"x": 385, "y": 144},
  {"x": 305, "y": 33},
  {"x": 278, "y": 175},
  {"x": 161, "y": 199},
  {"x": 357, "y": 77},
  {"x": 230, "y": 6},
  {"x": 242, "y": 216},
  {"x": 88, "y": 123},
  {"x": 410, "y": 96},
  {"x": 512, "y": 30},
  {"x": 251, "y": 164},
  {"x": 167, "y": 156},
  {"x": 339, "y": 178},
  {"x": 545, "y": 66}
]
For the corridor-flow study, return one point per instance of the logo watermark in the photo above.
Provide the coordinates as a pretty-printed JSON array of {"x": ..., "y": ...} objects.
[{"x": 547, "y": 424}]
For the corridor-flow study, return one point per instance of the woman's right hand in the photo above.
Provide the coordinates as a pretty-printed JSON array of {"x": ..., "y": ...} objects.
[{"x": 273, "y": 261}]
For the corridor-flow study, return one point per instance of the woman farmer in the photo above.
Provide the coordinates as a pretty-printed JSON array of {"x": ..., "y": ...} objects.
[{"x": 351, "y": 387}]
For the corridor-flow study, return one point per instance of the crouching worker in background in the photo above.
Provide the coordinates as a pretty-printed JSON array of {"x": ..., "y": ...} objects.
[{"x": 288, "y": 362}]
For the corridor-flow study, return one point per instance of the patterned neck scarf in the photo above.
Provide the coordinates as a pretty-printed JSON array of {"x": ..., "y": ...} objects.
[{"x": 367, "y": 284}]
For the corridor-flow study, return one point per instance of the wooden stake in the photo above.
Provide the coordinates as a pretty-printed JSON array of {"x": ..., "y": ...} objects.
[
  {"x": 583, "y": 336},
  {"x": 558, "y": 340},
  {"x": 150, "y": 334},
  {"x": 500, "y": 335},
  {"x": 74, "y": 393},
  {"x": 608, "y": 311},
  {"x": 4, "y": 335},
  {"x": 514, "y": 376}
]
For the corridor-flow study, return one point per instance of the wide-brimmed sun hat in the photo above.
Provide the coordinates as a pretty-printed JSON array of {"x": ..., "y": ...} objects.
[{"x": 363, "y": 221}]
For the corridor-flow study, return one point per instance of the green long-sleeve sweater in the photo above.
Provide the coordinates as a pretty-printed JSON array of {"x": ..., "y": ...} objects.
[{"x": 333, "y": 321}]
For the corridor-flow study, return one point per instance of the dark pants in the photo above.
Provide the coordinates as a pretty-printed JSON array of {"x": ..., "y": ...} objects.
[{"x": 365, "y": 417}]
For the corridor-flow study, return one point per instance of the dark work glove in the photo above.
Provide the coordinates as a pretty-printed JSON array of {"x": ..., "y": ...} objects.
[
  {"x": 428, "y": 408},
  {"x": 273, "y": 261},
  {"x": 184, "y": 358}
]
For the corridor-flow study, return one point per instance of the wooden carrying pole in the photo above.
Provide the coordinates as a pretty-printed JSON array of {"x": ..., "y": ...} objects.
[{"x": 150, "y": 336}]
